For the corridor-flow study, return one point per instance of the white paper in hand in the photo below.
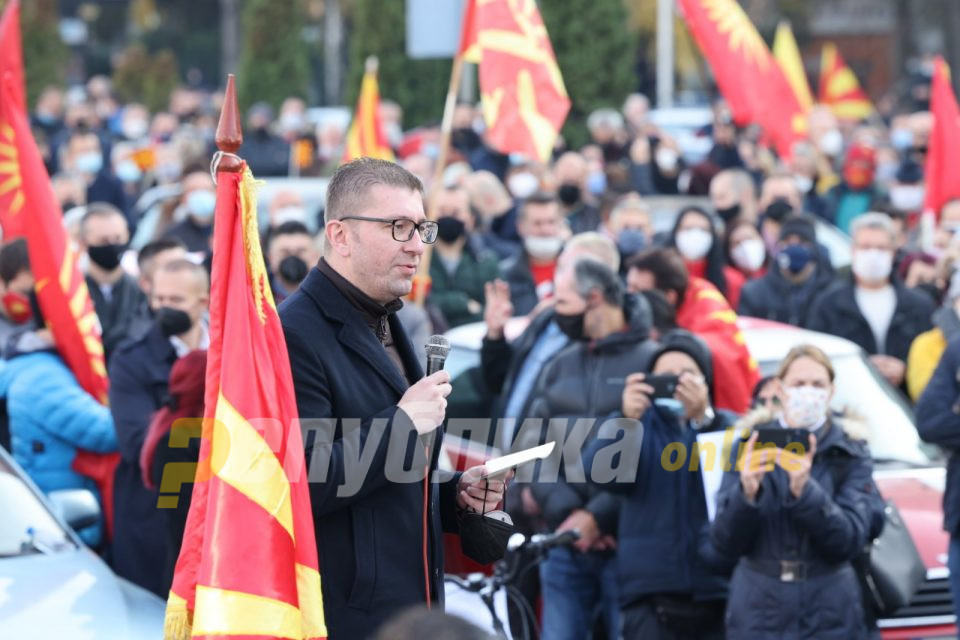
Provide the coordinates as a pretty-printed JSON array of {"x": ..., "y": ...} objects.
[{"x": 498, "y": 467}]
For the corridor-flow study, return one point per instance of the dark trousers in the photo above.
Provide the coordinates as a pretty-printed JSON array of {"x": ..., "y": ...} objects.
[{"x": 672, "y": 618}]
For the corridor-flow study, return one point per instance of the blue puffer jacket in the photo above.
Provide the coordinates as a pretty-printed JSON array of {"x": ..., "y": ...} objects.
[
  {"x": 663, "y": 535},
  {"x": 828, "y": 526},
  {"x": 51, "y": 416}
]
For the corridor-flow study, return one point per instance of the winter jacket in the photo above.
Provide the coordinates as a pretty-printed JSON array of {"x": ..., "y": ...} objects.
[
  {"x": 451, "y": 292},
  {"x": 773, "y": 297},
  {"x": 835, "y": 311},
  {"x": 938, "y": 422},
  {"x": 663, "y": 542},
  {"x": 122, "y": 315},
  {"x": 51, "y": 416},
  {"x": 577, "y": 391},
  {"x": 927, "y": 348},
  {"x": 793, "y": 578}
]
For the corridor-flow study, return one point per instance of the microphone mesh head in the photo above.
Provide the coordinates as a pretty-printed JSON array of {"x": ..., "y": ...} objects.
[{"x": 438, "y": 346}]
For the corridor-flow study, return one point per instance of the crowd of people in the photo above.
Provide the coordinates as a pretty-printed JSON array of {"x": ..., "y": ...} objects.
[{"x": 613, "y": 295}]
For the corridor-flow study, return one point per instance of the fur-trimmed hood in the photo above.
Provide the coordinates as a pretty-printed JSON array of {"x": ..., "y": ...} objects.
[{"x": 852, "y": 424}]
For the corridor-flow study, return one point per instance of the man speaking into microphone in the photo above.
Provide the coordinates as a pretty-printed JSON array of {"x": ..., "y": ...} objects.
[{"x": 370, "y": 417}]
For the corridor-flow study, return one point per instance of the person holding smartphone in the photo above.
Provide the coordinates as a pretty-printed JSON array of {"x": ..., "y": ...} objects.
[{"x": 793, "y": 517}]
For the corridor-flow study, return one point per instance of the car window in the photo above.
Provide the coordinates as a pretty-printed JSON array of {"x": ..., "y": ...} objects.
[
  {"x": 26, "y": 526},
  {"x": 862, "y": 392}
]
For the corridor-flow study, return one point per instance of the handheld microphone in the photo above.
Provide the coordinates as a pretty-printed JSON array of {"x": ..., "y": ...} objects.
[{"x": 437, "y": 349}]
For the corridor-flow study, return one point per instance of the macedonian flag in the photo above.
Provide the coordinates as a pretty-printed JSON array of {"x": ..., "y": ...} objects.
[
  {"x": 749, "y": 78},
  {"x": 839, "y": 88},
  {"x": 942, "y": 170},
  {"x": 248, "y": 565},
  {"x": 366, "y": 137},
  {"x": 11, "y": 62},
  {"x": 524, "y": 99}
]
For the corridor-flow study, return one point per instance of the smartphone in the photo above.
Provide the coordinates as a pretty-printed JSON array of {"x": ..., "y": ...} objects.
[
  {"x": 781, "y": 438},
  {"x": 664, "y": 386}
]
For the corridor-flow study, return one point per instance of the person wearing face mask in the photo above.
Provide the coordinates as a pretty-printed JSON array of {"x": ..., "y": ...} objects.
[
  {"x": 580, "y": 387},
  {"x": 745, "y": 251},
  {"x": 459, "y": 269},
  {"x": 267, "y": 153},
  {"x": 199, "y": 203},
  {"x": 117, "y": 298},
  {"x": 16, "y": 283},
  {"x": 576, "y": 201},
  {"x": 49, "y": 415},
  {"x": 630, "y": 226},
  {"x": 670, "y": 585},
  {"x": 695, "y": 238},
  {"x": 856, "y": 193},
  {"x": 139, "y": 375},
  {"x": 793, "y": 522},
  {"x": 291, "y": 251},
  {"x": 928, "y": 347},
  {"x": 794, "y": 279},
  {"x": 83, "y": 156},
  {"x": 530, "y": 274},
  {"x": 733, "y": 195},
  {"x": 878, "y": 313}
]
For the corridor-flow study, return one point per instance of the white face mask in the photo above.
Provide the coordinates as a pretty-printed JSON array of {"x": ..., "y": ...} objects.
[
  {"x": 291, "y": 213},
  {"x": 543, "y": 248},
  {"x": 872, "y": 265},
  {"x": 694, "y": 244},
  {"x": 523, "y": 185},
  {"x": 666, "y": 159},
  {"x": 749, "y": 254},
  {"x": 907, "y": 197},
  {"x": 804, "y": 184},
  {"x": 831, "y": 143},
  {"x": 805, "y": 406}
]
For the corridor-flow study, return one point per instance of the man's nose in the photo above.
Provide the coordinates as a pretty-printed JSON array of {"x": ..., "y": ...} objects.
[{"x": 414, "y": 245}]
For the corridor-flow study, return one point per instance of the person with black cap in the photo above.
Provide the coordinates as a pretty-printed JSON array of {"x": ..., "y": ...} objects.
[
  {"x": 671, "y": 583},
  {"x": 785, "y": 292}
]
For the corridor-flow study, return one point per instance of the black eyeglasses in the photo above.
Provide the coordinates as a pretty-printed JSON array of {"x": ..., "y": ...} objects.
[{"x": 403, "y": 228}]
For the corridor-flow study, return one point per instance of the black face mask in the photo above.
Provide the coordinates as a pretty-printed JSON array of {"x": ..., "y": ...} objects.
[
  {"x": 450, "y": 229},
  {"x": 729, "y": 213},
  {"x": 571, "y": 325},
  {"x": 173, "y": 322},
  {"x": 293, "y": 269},
  {"x": 484, "y": 537},
  {"x": 932, "y": 290},
  {"x": 569, "y": 194},
  {"x": 777, "y": 210},
  {"x": 106, "y": 256}
]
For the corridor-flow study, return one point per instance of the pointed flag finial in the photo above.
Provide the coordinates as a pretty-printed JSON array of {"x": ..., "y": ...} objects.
[{"x": 229, "y": 134}]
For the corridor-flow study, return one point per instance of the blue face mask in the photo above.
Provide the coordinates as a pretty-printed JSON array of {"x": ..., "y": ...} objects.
[
  {"x": 631, "y": 241},
  {"x": 670, "y": 406},
  {"x": 794, "y": 257},
  {"x": 128, "y": 171},
  {"x": 202, "y": 204},
  {"x": 89, "y": 162},
  {"x": 901, "y": 139},
  {"x": 597, "y": 183}
]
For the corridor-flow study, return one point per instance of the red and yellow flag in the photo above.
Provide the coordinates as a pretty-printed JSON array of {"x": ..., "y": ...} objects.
[
  {"x": 942, "y": 171},
  {"x": 11, "y": 62},
  {"x": 839, "y": 88},
  {"x": 248, "y": 565},
  {"x": 787, "y": 54},
  {"x": 366, "y": 137},
  {"x": 746, "y": 73},
  {"x": 524, "y": 99}
]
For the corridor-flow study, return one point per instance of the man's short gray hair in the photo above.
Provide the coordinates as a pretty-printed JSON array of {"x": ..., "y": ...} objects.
[
  {"x": 590, "y": 274},
  {"x": 352, "y": 182},
  {"x": 597, "y": 246},
  {"x": 873, "y": 220},
  {"x": 605, "y": 118}
]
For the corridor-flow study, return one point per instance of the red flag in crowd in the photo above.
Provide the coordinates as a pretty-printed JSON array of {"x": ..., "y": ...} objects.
[
  {"x": 366, "y": 137},
  {"x": 748, "y": 76},
  {"x": 524, "y": 99},
  {"x": 29, "y": 208},
  {"x": 707, "y": 313},
  {"x": 248, "y": 565},
  {"x": 11, "y": 64},
  {"x": 839, "y": 88},
  {"x": 942, "y": 171}
]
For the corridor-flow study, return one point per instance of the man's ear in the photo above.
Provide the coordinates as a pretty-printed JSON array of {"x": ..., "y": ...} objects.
[
  {"x": 672, "y": 297},
  {"x": 338, "y": 238}
]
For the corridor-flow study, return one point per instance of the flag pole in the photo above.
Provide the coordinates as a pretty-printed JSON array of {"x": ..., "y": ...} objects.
[
  {"x": 229, "y": 136},
  {"x": 422, "y": 279}
]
